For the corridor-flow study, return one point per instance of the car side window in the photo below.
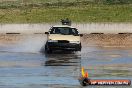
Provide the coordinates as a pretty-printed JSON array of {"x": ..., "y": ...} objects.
[
  {"x": 52, "y": 30},
  {"x": 74, "y": 31}
]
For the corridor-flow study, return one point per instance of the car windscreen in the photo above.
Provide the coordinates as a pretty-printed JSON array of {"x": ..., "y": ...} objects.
[{"x": 64, "y": 31}]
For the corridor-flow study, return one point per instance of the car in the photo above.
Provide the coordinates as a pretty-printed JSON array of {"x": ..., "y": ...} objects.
[{"x": 63, "y": 37}]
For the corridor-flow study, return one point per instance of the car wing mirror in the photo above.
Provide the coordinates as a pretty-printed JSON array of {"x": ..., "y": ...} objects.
[
  {"x": 46, "y": 32},
  {"x": 81, "y": 35}
]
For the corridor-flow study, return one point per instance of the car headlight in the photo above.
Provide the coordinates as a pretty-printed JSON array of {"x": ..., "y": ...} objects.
[
  {"x": 77, "y": 42},
  {"x": 52, "y": 41}
]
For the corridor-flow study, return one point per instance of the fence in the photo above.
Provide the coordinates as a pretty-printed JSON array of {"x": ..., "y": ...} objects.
[{"x": 89, "y": 28}]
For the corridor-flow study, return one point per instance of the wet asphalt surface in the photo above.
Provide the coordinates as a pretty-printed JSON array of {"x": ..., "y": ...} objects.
[{"x": 23, "y": 63}]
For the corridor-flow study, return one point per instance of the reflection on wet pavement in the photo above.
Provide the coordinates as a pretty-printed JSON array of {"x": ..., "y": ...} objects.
[
  {"x": 62, "y": 60},
  {"x": 24, "y": 65}
]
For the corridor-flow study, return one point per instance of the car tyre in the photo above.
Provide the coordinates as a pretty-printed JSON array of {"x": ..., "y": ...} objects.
[
  {"x": 47, "y": 49},
  {"x": 79, "y": 47}
]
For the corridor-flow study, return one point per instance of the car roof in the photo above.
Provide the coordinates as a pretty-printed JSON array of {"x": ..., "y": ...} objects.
[{"x": 62, "y": 26}]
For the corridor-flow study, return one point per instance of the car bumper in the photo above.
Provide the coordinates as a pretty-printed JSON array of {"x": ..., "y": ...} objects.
[{"x": 64, "y": 46}]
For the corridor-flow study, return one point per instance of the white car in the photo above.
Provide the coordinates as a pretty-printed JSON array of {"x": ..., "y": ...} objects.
[{"x": 63, "y": 38}]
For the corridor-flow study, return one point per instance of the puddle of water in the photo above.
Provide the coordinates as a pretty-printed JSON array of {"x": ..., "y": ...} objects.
[
  {"x": 22, "y": 65},
  {"x": 107, "y": 56}
]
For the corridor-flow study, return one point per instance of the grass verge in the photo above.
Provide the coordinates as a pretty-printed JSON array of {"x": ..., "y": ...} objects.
[{"x": 83, "y": 12}]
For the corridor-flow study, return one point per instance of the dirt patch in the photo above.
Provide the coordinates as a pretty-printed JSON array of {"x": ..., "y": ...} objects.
[{"x": 108, "y": 40}]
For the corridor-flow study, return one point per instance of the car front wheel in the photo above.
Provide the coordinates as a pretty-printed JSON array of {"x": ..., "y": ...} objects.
[{"x": 47, "y": 49}]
